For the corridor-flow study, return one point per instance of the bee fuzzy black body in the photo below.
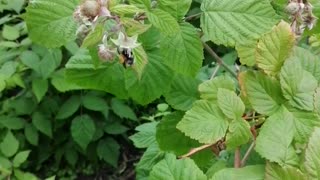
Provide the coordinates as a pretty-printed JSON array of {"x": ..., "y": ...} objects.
[{"x": 126, "y": 57}]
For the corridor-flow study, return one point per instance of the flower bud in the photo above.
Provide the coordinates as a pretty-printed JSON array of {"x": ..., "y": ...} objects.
[
  {"x": 90, "y": 8},
  {"x": 293, "y": 8},
  {"x": 105, "y": 53}
]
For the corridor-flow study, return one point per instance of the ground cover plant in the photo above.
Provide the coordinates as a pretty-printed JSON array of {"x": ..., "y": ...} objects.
[{"x": 206, "y": 89}]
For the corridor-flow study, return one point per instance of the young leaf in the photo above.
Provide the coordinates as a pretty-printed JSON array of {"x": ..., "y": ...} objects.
[
  {"x": 123, "y": 9},
  {"x": 298, "y": 86},
  {"x": 9, "y": 145},
  {"x": 177, "y": 8},
  {"x": 239, "y": 133},
  {"x": 209, "y": 89},
  {"x": 39, "y": 88},
  {"x": 263, "y": 92},
  {"x": 255, "y": 172},
  {"x": 150, "y": 157},
  {"x": 247, "y": 53},
  {"x": 274, "y": 48},
  {"x": 145, "y": 135},
  {"x": 20, "y": 158},
  {"x": 163, "y": 21},
  {"x": 171, "y": 168},
  {"x": 230, "y": 104},
  {"x": 82, "y": 130},
  {"x": 30, "y": 59},
  {"x": 69, "y": 107},
  {"x": 141, "y": 60},
  {"x": 10, "y": 32},
  {"x": 182, "y": 50},
  {"x": 31, "y": 134},
  {"x": 183, "y": 92},
  {"x": 236, "y": 21},
  {"x": 51, "y": 23},
  {"x": 272, "y": 145},
  {"x": 94, "y": 103},
  {"x": 108, "y": 150},
  {"x": 145, "y": 4},
  {"x": 122, "y": 110},
  {"x": 312, "y": 156},
  {"x": 94, "y": 37},
  {"x": 274, "y": 171},
  {"x": 204, "y": 122},
  {"x": 42, "y": 123}
]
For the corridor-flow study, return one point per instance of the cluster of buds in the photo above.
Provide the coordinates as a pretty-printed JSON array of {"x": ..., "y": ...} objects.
[{"x": 301, "y": 15}]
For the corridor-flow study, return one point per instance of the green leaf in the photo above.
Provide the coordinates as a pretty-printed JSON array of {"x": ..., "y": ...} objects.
[
  {"x": 247, "y": 53},
  {"x": 9, "y": 145},
  {"x": 122, "y": 110},
  {"x": 42, "y": 123},
  {"x": 239, "y": 133},
  {"x": 155, "y": 80},
  {"x": 312, "y": 155},
  {"x": 69, "y": 107},
  {"x": 141, "y": 3},
  {"x": 141, "y": 60},
  {"x": 39, "y": 88},
  {"x": 51, "y": 23},
  {"x": 209, "y": 89},
  {"x": 204, "y": 122},
  {"x": 24, "y": 175},
  {"x": 263, "y": 92},
  {"x": 115, "y": 128},
  {"x": 30, "y": 59},
  {"x": 272, "y": 144},
  {"x": 123, "y": 9},
  {"x": 298, "y": 86},
  {"x": 145, "y": 135},
  {"x": 71, "y": 156},
  {"x": 230, "y": 22},
  {"x": 13, "y": 123},
  {"x": 274, "y": 48},
  {"x": 187, "y": 59},
  {"x": 82, "y": 130},
  {"x": 20, "y": 158},
  {"x": 274, "y": 171},
  {"x": 230, "y": 104},
  {"x": 171, "y": 168},
  {"x": 255, "y": 172},
  {"x": 176, "y": 8},
  {"x": 94, "y": 103},
  {"x": 58, "y": 80},
  {"x": 31, "y": 134},
  {"x": 150, "y": 157},
  {"x": 183, "y": 92},
  {"x": 10, "y": 33},
  {"x": 108, "y": 150},
  {"x": 94, "y": 37},
  {"x": 317, "y": 101},
  {"x": 134, "y": 27},
  {"x": 5, "y": 163},
  {"x": 163, "y": 21},
  {"x": 50, "y": 61},
  {"x": 170, "y": 139}
]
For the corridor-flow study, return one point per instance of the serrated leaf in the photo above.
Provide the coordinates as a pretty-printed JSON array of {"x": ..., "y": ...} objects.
[
  {"x": 150, "y": 157},
  {"x": 272, "y": 145},
  {"x": 134, "y": 27},
  {"x": 298, "y": 86},
  {"x": 204, "y": 122},
  {"x": 122, "y": 110},
  {"x": 274, "y": 48},
  {"x": 230, "y": 104},
  {"x": 20, "y": 158},
  {"x": 94, "y": 103},
  {"x": 10, "y": 32},
  {"x": 31, "y": 134},
  {"x": 82, "y": 130},
  {"x": 141, "y": 60},
  {"x": 42, "y": 123},
  {"x": 230, "y": 22},
  {"x": 209, "y": 89},
  {"x": 123, "y": 9},
  {"x": 155, "y": 80},
  {"x": 58, "y": 80},
  {"x": 145, "y": 4},
  {"x": 30, "y": 59},
  {"x": 94, "y": 37},
  {"x": 239, "y": 133},
  {"x": 275, "y": 172},
  {"x": 108, "y": 150},
  {"x": 176, "y": 8},
  {"x": 51, "y": 23},
  {"x": 163, "y": 21},
  {"x": 312, "y": 155},
  {"x": 145, "y": 136},
  {"x": 317, "y": 101},
  {"x": 69, "y": 107},
  {"x": 13, "y": 123},
  {"x": 183, "y": 92},
  {"x": 171, "y": 168},
  {"x": 9, "y": 145},
  {"x": 263, "y": 92},
  {"x": 255, "y": 172},
  {"x": 247, "y": 53},
  {"x": 115, "y": 128},
  {"x": 187, "y": 59},
  {"x": 39, "y": 88}
]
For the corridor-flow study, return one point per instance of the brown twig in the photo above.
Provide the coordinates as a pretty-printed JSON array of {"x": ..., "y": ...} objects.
[
  {"x": 246, "y": 155},
  {"x": 195, "y": 150},
  {"x": 237, "y": 158}
]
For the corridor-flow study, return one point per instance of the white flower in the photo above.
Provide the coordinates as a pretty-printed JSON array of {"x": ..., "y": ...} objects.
[{"x": 126, "y": 42}]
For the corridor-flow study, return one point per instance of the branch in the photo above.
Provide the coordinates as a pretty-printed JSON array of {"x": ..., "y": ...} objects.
[
  {"x": 218, "y": 59},
  {"x": 246, "y": 156},
  {"x": 237, "y": 158},
  {"x": 215, "y": 71},
  {"x": 195, "y": 150},
  {"x": 197, "y": 15}
]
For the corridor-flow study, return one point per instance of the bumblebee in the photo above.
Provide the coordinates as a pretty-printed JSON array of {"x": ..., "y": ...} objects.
[{"x": 126, "y": 57}]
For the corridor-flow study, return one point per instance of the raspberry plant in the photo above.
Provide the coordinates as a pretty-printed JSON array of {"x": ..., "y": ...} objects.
[{"x": 261, "y": 114}]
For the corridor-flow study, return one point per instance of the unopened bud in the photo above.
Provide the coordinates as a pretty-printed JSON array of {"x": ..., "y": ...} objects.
[
  {"x": 293, "y": 7},
  {"x": 90, "y": 8}
]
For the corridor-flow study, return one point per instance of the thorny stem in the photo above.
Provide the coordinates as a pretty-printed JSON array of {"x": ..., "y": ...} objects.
[
  {"x": 246, "y": 155},
  {"x": 218, "y": 59},
  {"x": 237, "y": 158},
  {"x": 195, "y": 150}
]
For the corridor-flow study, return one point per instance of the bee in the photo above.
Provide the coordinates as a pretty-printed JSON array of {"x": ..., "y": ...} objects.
[{"x": 126, "y": 57}]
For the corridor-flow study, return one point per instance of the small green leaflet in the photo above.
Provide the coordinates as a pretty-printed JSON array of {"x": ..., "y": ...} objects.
[
  {"x": 82, "y": 130},
  {"x": 247, "y": 53},
  {"x": 42, "y": 123},
  {"x": 94, "y": 37},
  {"x": 9, "y": 145},
  {"x": 163, "y": 21},
  {"x": 177, "y": 8},
  {"x": 145, "y": 136},
  {"x": 230, "y": 104},
  {"x": 20, "y": 158},
  {"x": 108, "y": 150},
  {"x": 238, "y": 134}
]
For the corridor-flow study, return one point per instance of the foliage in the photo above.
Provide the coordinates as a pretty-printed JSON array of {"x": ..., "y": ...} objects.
[{"x": 252, "y": 114}]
